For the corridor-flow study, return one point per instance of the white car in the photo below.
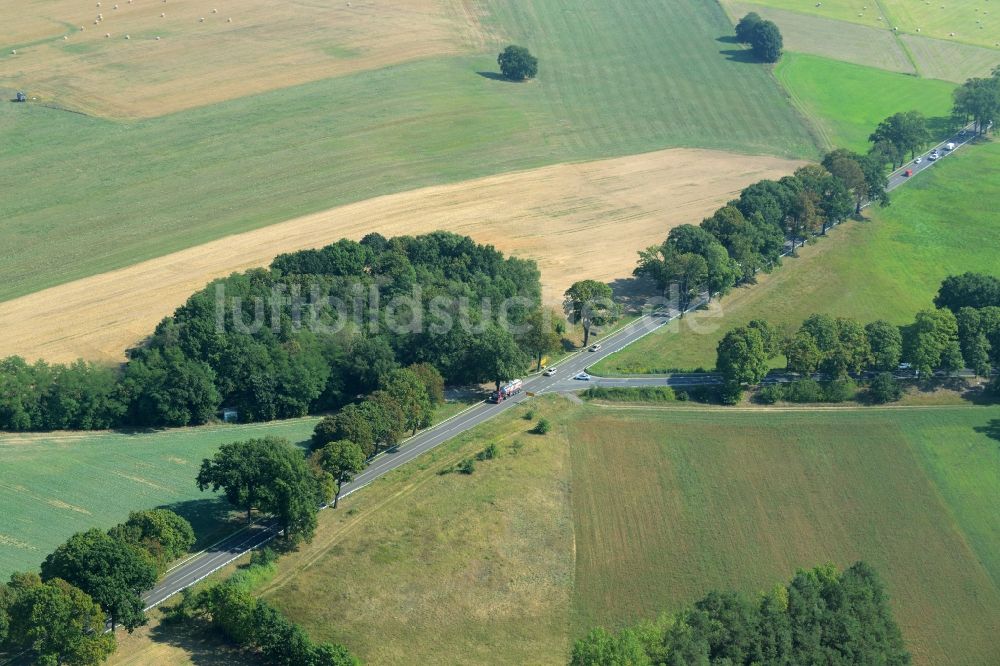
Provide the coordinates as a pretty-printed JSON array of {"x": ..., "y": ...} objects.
[
  {"x": 549, "y": 372},
  {"x": 595, "y": 347},
  {"x": 949, "y": 146},
  {"x": 918, "y": 160},
  {"x": 932, "y": 156},
  {"x": 583, "y": 377}
]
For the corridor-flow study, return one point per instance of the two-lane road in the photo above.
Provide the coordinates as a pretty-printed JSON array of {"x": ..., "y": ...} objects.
[{"x": 199, "y": 565}]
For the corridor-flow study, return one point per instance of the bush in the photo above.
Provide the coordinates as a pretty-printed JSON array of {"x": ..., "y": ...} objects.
[
  {"x": 631, "y": 394},
  {"x": 263, "y": 557},
  {"x": 731, "y": 393},
  {"x": 517, "y": 63},
  {"x": 529, "y": 415},
  {"x": 489, "y": 453},
  {"x": 840, "y": 390},
  {"x": 883, "y": 389},
  {"x": 682, "y": 396},
  {"x": 804, "y": 391},
  {"x": 467, "y": 466},
  {"x": 770, "y": 394},
  {"x": 542, "y": 427}
]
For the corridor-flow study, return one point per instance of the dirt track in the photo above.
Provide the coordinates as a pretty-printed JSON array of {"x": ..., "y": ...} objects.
[{"x": 576, "y": 220}]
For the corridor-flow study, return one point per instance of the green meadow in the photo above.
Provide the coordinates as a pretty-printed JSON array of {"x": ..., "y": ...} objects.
[
  {"x": 58, "y": 484},
  {"x": 846, "y": 101}
]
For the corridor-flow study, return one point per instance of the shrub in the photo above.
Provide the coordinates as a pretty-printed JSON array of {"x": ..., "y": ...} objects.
[
  {"x": 840, "y": 390},
  {"x": 489, "y": 453},
  {"x": 682, "y": 396},
  {"x": 731, "y": 393},
  {"x": 884, "y": 388},
  {"x": 770, "y": 394},
  {"x": 631, "y": 394},
  {"x": 263, "y": 557},
  {"x": 529, "y": 415},
  {"x": 803, "y": 391},
  {"x": 467, "y": 466},
  {"x": 542, "y": 427}
]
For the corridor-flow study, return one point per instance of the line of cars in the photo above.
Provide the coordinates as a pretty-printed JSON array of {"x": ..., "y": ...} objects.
[{"x": 934, "y": 156}]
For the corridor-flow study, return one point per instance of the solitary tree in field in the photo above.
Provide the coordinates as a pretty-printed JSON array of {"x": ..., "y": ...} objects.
[
  {"x": 517, "y": 63},
  {"x": 745, "y": 28}
]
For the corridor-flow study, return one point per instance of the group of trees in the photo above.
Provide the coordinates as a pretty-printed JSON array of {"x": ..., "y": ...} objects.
[
  {"x": 230, "y": 608},
  {"x": 309, "y": 334},
  {"x": 963, "y": 332},
  {"x": 763, "y": 37},
  {"x": 822, "y": 616},
  {"x": 748, "y": 234},
  {"x": 974, "y": 299},
  {"x": 978, "y": 100},
  {"x": 94, "y": 578},
  {"x": 269, "y": 475},
  {"x": 898, "y": 136}
]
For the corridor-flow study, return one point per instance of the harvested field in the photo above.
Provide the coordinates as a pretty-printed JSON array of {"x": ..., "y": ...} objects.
[
  {"x": 830, "y": 38},
  {"x": 951, "y": 61},
  {"x": 969, "y": 21},
  {"x": 197, "y": 55},
  {"x": 575, "y": 220}
]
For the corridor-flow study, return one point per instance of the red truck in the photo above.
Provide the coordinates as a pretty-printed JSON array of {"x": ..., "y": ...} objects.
[{"x": 508, "y": 390}]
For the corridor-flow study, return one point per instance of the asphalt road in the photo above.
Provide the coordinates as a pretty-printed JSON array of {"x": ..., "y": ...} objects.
[
  {"x": 189, "y": 571},
  {"x": 899, "y": 177}
]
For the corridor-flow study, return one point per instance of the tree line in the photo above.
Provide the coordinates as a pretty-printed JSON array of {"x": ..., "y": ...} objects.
[
  {"x": 947, "y": 338},
  {"x": 272, "y": 368},
  {"x": 96, "y": 578},
  {"x": 747, "y": 235},
  {"x": 229, "y": 608},
  {"x": 822, "y": 616},
  {"x": 978, "y": 101}
]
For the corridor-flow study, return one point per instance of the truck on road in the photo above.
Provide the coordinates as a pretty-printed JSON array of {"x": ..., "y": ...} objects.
[{"x": 506, "y": 391}]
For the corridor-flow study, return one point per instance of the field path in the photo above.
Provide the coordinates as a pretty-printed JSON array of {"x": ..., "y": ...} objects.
[{"x": 575, "y": 220}]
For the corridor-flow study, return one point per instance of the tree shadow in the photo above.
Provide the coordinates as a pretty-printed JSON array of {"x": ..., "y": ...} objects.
[
  {"x": 991, "y": 429},
  {"x": 203, "y": 647},
  {"x": 727, "y": 39},
  {"x": 634, "y": 293},
  {"x": 496, "y": 76},
  {"x": 212, "y": 518},
  {"x": 740, "y": 55}
]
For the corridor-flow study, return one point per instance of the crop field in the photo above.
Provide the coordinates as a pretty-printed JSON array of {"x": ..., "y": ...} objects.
[
  {"x": 874, "y": 46},
  {"x": 847, "y": 101},
  {"x": 669, "y": 503},
  {"x": 830, "y": 38},
  {"x": 566, "y": 217},
  {"x": 613, "y": 82},
  {"x": 888, "y": 267},
  {"x": 60, "y": 483},
  {"x": 969, "y": 21},
  {"x": 622, "y": 512},
  {"x": 141, "y": 59}
]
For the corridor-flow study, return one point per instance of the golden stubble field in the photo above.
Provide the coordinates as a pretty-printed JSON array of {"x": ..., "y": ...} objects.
[
  {"x": 133, "y": 62},
  {"x": 577, "y": 221}
]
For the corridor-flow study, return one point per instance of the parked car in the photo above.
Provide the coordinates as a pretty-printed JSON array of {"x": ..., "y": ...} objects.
[{"x": 549, "y": 372}]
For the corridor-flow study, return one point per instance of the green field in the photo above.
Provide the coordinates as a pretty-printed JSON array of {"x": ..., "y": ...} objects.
[
  {"x": 847, "y": 101},
  {"x": 613, "y": 81},
  {"x": 971, "y": 21},
  {"x": 889, "y": 267},
  {"x": 668, "y": 503},
  {"x": 55, "y": 485},
  {"x": 622, "y": 512}
]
